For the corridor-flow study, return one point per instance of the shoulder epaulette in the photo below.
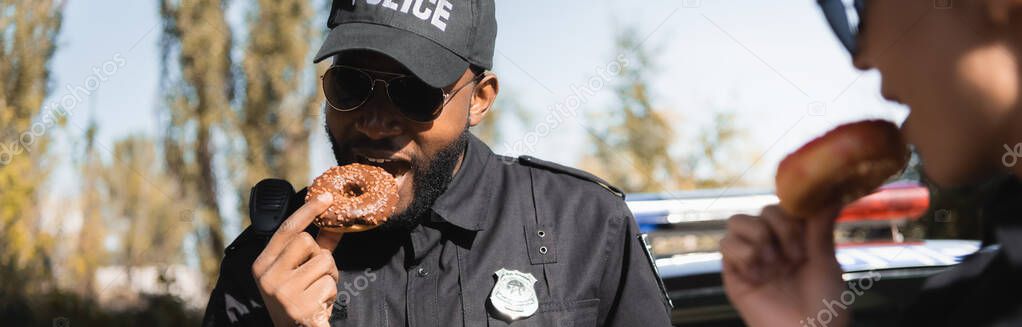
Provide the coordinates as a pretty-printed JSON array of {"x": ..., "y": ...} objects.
[{"x": 581, "y": 174}]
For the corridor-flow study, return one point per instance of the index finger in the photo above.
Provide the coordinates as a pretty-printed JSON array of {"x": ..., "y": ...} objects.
[{"x": 297, "y": 223}]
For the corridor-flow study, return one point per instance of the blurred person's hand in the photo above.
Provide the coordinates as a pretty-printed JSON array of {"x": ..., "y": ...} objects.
[
  {"x": 780, "y": 270},
  {"x": 296, "y": 274}
]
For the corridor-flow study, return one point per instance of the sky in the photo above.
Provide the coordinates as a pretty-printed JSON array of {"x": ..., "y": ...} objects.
[{"x": 774, "y": 64}]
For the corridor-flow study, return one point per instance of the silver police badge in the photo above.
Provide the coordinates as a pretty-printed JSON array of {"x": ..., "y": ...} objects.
[{"x": 514, "y": 295}]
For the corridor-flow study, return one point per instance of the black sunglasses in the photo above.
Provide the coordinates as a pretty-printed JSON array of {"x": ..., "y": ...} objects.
[
  {"x": 347, "y": 88},
  {"x": 837, "y": 13}
]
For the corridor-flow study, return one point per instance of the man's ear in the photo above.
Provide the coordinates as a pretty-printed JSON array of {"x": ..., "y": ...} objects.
[{"x": 482, "y": 98}]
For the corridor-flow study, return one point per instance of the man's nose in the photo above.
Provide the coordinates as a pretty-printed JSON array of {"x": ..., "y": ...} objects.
[
  {"x": 862, "y": 61},
  {"x": 378, "y": 118}
]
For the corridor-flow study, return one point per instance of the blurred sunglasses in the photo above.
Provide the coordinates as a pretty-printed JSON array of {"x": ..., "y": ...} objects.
[
  {"x": 838, "y": 13},
  {"x": 347, "y": 88}
]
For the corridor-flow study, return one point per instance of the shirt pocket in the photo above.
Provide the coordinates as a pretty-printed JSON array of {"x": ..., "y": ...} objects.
[{"x": 555, "y": 314}]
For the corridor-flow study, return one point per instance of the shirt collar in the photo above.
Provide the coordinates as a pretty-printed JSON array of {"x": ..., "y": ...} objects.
[{"x": 466, "y": 201}]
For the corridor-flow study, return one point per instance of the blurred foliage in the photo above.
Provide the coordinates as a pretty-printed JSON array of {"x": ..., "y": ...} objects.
[
  {"x": 506, "y": 109},
  {"x": 143, "y": 200},
  {"x": 90, "y": 252},
  {"x": 196, "y": 43},
  {"x": 32, "y": 253},
  {"x": 282, "y": 102},
  {"x": 28, "y": 31},
  {"x": 638, "y": 135},
  {"x": 232, "y": 113},
  {"x": 61, "y": 309},
  {"x": 229, "y": 124}
]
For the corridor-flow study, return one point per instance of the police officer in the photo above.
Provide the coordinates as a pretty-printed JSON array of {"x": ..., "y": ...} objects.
[
  {"x": 956, "y": 65},
  {"x": 479, "y": 239}
]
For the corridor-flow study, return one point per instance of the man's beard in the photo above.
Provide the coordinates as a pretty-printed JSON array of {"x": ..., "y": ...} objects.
[{"x": 430, "y": 179}]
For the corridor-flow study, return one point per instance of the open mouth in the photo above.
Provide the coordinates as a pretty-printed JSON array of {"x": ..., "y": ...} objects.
[{"x": 396, "y": 166}]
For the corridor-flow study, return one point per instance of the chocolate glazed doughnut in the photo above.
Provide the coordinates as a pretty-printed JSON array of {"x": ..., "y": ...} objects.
[
  {"x": 839, "y": 167},
  {"x": 364, "y": 197}
]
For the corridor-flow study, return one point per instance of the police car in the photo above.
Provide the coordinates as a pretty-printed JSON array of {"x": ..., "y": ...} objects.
[{"x": 884, "y": 263}]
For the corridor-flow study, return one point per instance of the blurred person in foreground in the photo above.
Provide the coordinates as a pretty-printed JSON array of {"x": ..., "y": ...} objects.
[
  {"x": 956, "y": 65},
  {"x": 476, "y": 239}
]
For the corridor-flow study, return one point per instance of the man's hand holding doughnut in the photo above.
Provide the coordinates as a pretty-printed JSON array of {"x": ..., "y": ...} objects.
[
  {"x": 779, "y": 268},
  {"x": 295, "y": 273}
]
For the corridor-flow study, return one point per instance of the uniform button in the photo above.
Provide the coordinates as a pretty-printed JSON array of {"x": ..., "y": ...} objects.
[
  {"x": 542, "y": 250},
  {"x": 422, "y": 272},
  {"x": 541, "y": 233}
]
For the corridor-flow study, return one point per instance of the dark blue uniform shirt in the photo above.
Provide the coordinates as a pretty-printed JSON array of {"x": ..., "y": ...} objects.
[{"x": 986, "y": 288}]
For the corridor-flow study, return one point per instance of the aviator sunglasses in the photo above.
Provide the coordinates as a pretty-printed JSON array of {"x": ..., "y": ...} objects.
[{"x": 347, "y": 88}]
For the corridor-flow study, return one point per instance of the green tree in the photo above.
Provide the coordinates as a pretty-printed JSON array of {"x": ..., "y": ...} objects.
[
  {"x": 634, "y": 134},
  {"x": 89, "y": 251},
  {"x": 716, "y": 151},
  {"x": 28, "y": 31},
  {"x": 634, "y": 140},
  {"x": 144, "y": 203},
  {"x": 264, "y": 127},
  {"x": 282, "y": 100},
  {"x": 196, "y": 43}
]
